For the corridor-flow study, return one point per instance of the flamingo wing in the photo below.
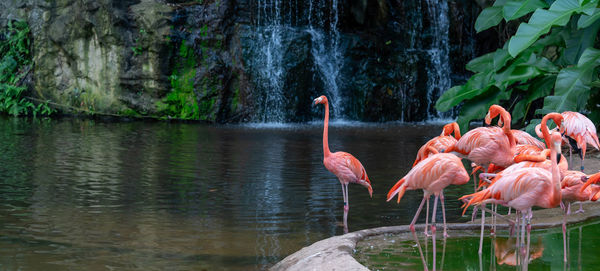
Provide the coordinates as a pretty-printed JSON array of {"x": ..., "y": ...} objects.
[
  {"x": 525, "y": 138},
  {"x": 352, "y": 164}
]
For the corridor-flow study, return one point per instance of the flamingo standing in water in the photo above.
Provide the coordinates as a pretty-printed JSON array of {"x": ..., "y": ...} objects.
[
  {"x": 342, "y": 164},
  {"x": 524, "y": 188},
  {"x": 432, "y": 175},
  {"x": 439, "y": 144}
]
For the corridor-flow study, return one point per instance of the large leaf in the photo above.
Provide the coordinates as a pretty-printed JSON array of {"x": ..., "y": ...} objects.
[
  {"x": 570, "y": 92},
  {"x": 587, "y": 20},
  {"x": 490, "y": 16},
  {"x": 477, "y": 108},
  {"x": 578, "y": 41},
  {"x": 516, "y": 9},
  {"x": 476, "y": 85},
  {"x": 539, "y": 88},
  {"x": 489, "y": 62},
  {"x": 542, "y": 20}
]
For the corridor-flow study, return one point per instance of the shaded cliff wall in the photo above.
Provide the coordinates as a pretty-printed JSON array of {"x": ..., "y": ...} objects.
[{"x": 199, "y": 59}]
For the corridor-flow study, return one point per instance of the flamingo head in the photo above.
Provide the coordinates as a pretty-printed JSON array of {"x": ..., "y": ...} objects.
[
  {"x": 448, "y": 129},
  {"x": 367, "y": 183},
  {"x": 494, "y": 111},
  {"x": 321, "y": 100}
]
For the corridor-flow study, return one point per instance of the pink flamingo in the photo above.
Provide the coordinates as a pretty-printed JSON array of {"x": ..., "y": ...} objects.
[
  {"x": 580, "y": 131},
  {"x": 485, "y": 145},
  {"x": 342, "y": 164},
  {"x": 575, "y": 189},
  {"x": 432, "y": 175},
  {"x": 441, "y": 142},
  {"x": 524, "y": 188}
]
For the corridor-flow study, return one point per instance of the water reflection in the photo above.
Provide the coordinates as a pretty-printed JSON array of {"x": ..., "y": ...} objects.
[
  {"x": 82, "y": 193},
  {"x": 460, "y": 252}
]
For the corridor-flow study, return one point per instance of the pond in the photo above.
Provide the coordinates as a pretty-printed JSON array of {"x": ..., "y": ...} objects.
[
  {"x": 388, "y": 252},
  {"x": 77, "y": 193}
]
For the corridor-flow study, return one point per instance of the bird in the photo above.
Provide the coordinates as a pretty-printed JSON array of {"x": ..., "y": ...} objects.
[
  {"x": 342, "y": 164},
  {"x": 485, "y": 145},
  {"x": 441, "y": 142},
  {"x": 579, "y": 131},
  {"x": 524, "y": 188},
  {"x": 573, "y": 189},
  {"x": 433, "y": 174}
]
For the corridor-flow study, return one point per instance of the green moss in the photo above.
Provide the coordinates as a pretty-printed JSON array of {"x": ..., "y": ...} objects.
[{"x": 181, "y": 102}]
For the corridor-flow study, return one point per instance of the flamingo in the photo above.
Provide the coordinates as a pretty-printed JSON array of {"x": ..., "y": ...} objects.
[
  {"x": 574, "y": 189},
  {"x": 485, "y": 145},
  {"x": 524, "y": 188},
  {"x": 441, "y": 142},
  {"x": 435, "y": 145},
  {"x": 432, "y": 175},
  {"x": 342, "y": 164},
  {"x": 580, "y": 131}
]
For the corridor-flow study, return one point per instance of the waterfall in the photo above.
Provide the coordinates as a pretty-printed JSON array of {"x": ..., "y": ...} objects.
[
  {"x": 293, "y": 49},
  {"x": 276, "y": 24},
  {"x": 438, "y": 79}
]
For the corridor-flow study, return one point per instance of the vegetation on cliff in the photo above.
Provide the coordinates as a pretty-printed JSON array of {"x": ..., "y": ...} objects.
[
  {"x": 549, "y": 64},
  {"x": 15, "y": 65}
]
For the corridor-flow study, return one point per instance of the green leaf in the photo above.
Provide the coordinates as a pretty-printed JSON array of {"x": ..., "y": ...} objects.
[
  {"x": 570, "y": 92},
  {"x": 539, "y": 88},
  {"x": 541, "y": 21},
  {"x": 477, "y": 108},
  {"x": 489, "y": 17},
  {"x": 476, "y": 85},
  {"x": 589, "y": 58},
  {"x": 491, "y": 61},
  {"x": 579, "y": 41},
  {"x": 517, "y": 9},
  {"x": 587, "y": 20}
]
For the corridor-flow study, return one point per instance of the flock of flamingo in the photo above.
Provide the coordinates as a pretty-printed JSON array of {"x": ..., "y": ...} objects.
[{"x": 519, "y": 171}]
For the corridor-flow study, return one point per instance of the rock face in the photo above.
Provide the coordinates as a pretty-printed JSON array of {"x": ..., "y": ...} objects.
[
  {"x": 242, "y": 60},
  {"x": 99, "y": 56}
]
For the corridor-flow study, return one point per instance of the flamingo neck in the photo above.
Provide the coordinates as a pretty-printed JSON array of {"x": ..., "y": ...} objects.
[
  {"x": 326, "y": 151},
  {"x": 506, "y": 128},
  {"x": 456, "y": 131},
  {"x": 557, "y": 194},
  {"x": 546, "y": 132}
]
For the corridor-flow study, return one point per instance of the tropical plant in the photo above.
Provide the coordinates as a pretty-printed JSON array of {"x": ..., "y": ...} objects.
[
  {"x": 549, "y": 64},
  {"x": 15, "y": 63}
]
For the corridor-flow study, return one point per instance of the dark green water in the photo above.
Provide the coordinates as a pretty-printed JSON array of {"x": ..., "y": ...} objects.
[
  {"x": 460, "y": 253},
  {"x": 82, "y": 194}
]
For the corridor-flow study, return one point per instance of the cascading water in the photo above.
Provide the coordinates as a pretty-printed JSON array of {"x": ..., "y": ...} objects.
[
  {"x": 438, "y": 80},
  {"x": 294, "y": 51},
  {"x": 277, "y": 23}
]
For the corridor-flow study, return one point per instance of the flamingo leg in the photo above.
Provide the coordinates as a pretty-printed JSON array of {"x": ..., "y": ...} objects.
[
  {"x": 564, "y": 230},
  {"x": 518, "y": 235},
  {"x": 474, "y": 213},
  {"x": 433, "y": 227},
  {"x": 444, "y": 214},
  {"x": 530, "y": 214},
  {"x": 412, "y": 229},
  {"x": 412, "y": 224},
  {"x": 570, "y": 154},
  {"x": 346, "y": 208},
  {"x": 480, "y": 251},
  {"x": 427, "y": 218}
]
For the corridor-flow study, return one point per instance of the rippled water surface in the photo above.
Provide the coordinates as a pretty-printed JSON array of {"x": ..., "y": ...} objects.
[{"x": 82, "y": 194}]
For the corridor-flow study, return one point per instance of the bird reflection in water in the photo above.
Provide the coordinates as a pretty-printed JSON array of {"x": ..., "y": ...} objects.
[{"x": 505, "y": 250}]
